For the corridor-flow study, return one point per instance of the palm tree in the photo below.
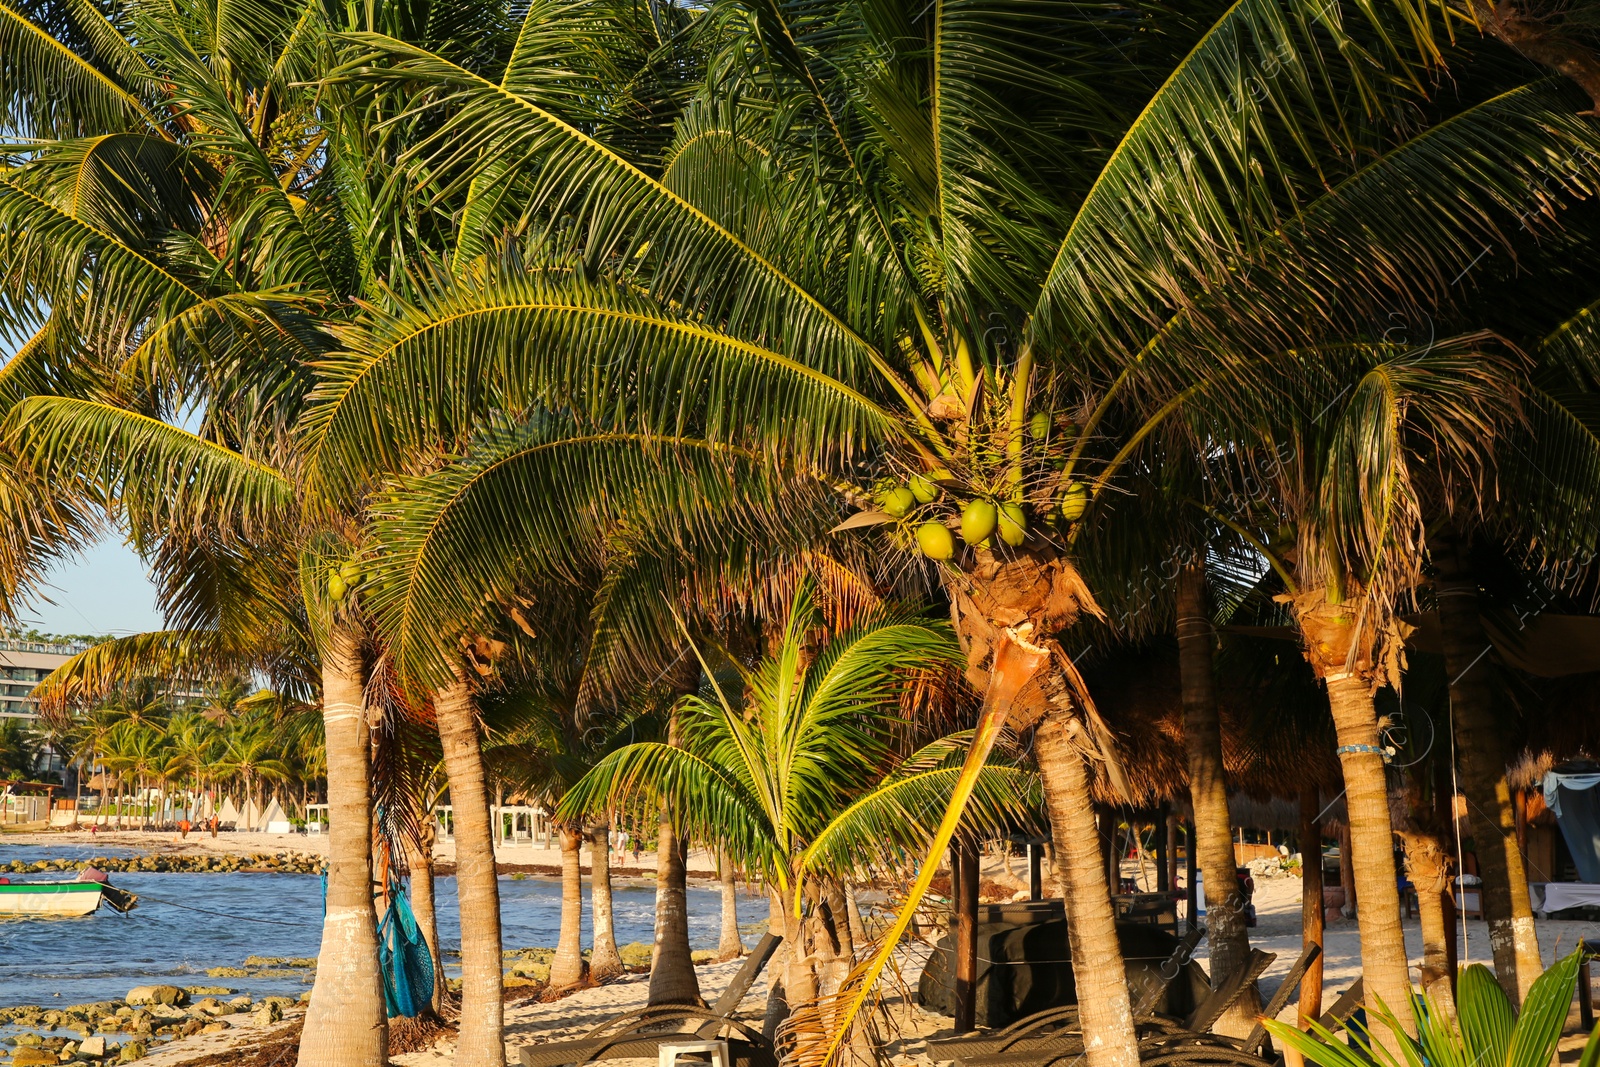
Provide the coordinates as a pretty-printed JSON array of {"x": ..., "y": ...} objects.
[
  {"x": 482, "y": 1013},
  {"x": 18, "y": 752},
  {"x": 250, "y": 755},
  {"x": 801, "y": 780},
  {"x": 542, "y": 746},
  {"x": 1342, "y": 504},
  {"x": 136, "y": 749},
  {"x": 970, "y": 268},
  {"x": 190, "y": 213}
]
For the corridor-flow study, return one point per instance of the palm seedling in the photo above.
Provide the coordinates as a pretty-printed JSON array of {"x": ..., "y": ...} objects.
[
  {"x": 797, "y": 769},
  {"x": 1486, "y": 1030}
]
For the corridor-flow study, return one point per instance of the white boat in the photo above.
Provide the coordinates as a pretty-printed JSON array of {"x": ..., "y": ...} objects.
[{"x": 61, "y": 898}]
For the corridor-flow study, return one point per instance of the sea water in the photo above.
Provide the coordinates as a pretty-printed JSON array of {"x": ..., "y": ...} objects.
[{"x": 187, "y": 924}]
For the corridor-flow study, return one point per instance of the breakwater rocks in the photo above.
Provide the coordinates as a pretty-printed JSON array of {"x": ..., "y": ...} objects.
[
  {"x": 301, "y": 967},
  {"x": 159, "y": 863},
  {"x": 122, "y": 1031}
]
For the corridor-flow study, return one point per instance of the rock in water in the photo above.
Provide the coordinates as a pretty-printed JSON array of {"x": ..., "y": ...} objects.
[
  {"x": 157, "y": 994},
  {"x": 92, "y": 1048},
  {"x": 33, "y": 1057}
]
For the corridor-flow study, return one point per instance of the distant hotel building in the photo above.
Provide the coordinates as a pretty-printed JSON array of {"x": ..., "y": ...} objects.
[{"x": 23, "y": 665}]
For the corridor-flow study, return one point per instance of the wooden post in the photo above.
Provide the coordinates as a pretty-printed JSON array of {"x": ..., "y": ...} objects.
[
  {"x": 1444, "y": 806},
  {"x": 1311, "y": 914},
  {"x": 1035, "y": 870},
  {"x": 1163, "y": 830},
  {"x": 1191, "y": 866},
  {"x": 1347, "y": 871},
  {"x": 1172, "y": 851},
  {"x": 964, "y": 891}
]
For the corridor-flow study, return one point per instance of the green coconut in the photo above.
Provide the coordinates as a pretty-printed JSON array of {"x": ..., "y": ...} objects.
[
  {"x": 350, "y": 571},
  {"x": 936, "y": 540},
  {"x": 924, "y": 490},
  {"x": 978, "y": 520},
  {"x": 337, "y": 586},
  {"x": 1039, "y": 425},
  {"x": 1074, "y": 501},
  {"x": 1013, "y": 524},
  {"x": 897, "y": 503}
]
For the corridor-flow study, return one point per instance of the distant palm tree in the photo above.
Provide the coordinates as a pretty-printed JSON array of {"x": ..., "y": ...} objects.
[
  {"x": 19, "y": 750},
  {"x": 137, "y": 749},
  {"x": 250, "y": 755},
  {"x": 543, "y": 747}
]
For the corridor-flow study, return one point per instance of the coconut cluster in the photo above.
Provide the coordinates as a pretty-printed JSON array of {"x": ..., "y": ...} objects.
[
  {"x": 344, "y": 578},
  {"x": 933, "y": 506}
]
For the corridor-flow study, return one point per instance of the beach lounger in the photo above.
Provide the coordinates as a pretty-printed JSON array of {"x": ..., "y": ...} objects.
[
  {"x": 1224, "y": 996},
  {"x": 1280, "y": 1000},
  {"x": 640, "y": 1034},
  {"x": 1054, "y": 1023},
  {"x": 1052, "y": 1038}
]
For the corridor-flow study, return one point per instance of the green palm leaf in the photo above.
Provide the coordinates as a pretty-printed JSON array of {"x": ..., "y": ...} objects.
[
  {"x": 425, "y": 374},
  {"x": 893, "y": 823},
  {"x": 624, "y": 214},
  {"x": 50, "y": 254},
  {"x": 160, "y": 476},
  {"x": 468, "y": 527},
  {"x": 48, "y": 90}
]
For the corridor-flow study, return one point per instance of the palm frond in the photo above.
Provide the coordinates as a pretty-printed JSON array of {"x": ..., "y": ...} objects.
[
  {"x": 160, "y": 476},
  {"x": 890, "y": 826},
  {"x": 468, "y": 526},
  {"x": 48, "y": 90},
  {"x": 623, "y": 215},
  {"x": 425, "y": 374},
  {"x": 181, "y": 659}
]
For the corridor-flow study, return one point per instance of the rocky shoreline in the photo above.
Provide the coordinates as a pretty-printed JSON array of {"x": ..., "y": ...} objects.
[
  {"x": 149, "y": 1016},
  {"x": 277, "y": 863},
  {"x": 215, "y": 863}
]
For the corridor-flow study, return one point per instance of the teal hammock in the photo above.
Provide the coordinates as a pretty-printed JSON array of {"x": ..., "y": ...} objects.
[{"x": 403, "y": 953}]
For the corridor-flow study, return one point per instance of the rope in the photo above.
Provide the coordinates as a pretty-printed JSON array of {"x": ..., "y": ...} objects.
[{"x": 223, "y": 914}]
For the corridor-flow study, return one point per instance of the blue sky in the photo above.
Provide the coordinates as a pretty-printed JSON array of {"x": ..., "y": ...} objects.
[{"x": 104, "y": 590}]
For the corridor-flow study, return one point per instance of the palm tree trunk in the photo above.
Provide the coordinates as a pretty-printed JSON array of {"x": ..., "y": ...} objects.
[
  {"x": 1103, "y": 1005},
  {"x": 1482, "y": 765},
  {"x": 567, "y": 968},
  {"x": 997, "y": 606},
  {"x": 672, "y": 977},
  {"x": 604, "y": 960},
  {"x": 800, "y": 977},
  {"x": 482, "y": 1042},
  {"x": 1383, "y": 949},
  {"x": 1311, "y": 915},
  {"x": 419, "y": 859},
  {"x": 1208, "y": 790},
  {"x": 777, "y": 1009},
  {"x": 345, "y": 1024},
  {"x": 1430, "y": 877},
  {"x": 729, "y": 944}
]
